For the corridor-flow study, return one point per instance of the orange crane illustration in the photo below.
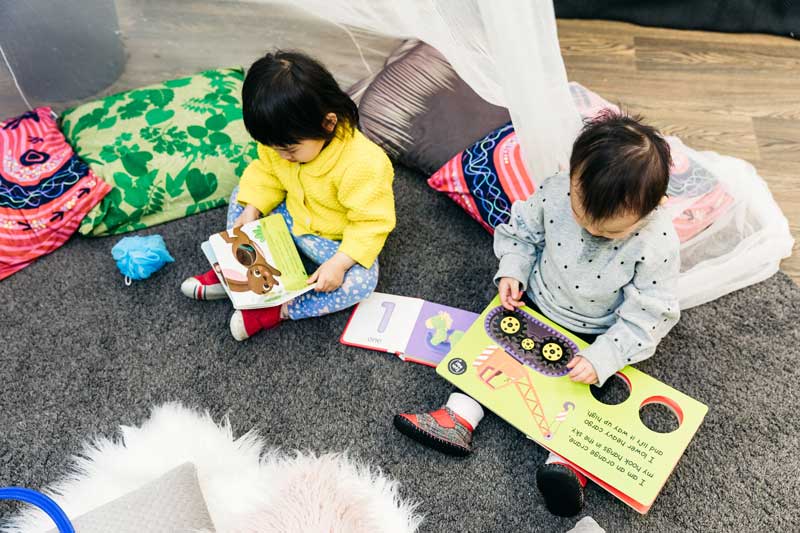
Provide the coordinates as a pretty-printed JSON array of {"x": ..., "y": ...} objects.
[{"x": 493, "y": 363}]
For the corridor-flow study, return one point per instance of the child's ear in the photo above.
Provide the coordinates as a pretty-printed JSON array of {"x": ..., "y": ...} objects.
[
  {"x": 329, "y": 122},
  {"x": 663, "y": 200}
]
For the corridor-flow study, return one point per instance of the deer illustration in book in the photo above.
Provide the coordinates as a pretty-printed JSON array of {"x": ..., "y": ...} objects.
[{"x": 260, "y": 274}]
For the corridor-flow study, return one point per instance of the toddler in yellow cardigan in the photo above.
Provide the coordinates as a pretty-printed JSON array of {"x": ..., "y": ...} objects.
[{"x": 331, "y": 184}]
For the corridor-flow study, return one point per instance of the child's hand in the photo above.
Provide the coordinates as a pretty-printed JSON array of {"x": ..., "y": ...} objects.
[
  {"x": 582, "y": 371},
  {"x": 249, "y": 214},
  {"x": 330, "y": 274},
  {"x": 510, "y": 294}
]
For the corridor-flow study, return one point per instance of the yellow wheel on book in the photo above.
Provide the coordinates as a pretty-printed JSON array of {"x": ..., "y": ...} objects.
[
  {"x": 528, "y": 344},
  {"x": 510, "y": 325},
  {"x": 552, "y": 351}
]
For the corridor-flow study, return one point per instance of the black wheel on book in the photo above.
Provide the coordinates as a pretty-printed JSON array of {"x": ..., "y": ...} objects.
[
  {"x": 555, "y": 352},
  {"x": 552, "y": 351},
  {"x": 528, "y": 351},
  {"x": 528, "y": 344},
  {"x": 510, "y": 325},
  {"x": 505, "y": 326}
]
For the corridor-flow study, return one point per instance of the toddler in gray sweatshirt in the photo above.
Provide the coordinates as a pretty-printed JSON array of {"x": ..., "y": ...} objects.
[
  {"x": 621, "y": 289},
  {"x": 594, "y": 253}
]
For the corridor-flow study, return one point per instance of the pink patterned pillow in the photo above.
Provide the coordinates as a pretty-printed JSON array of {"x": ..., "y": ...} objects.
[
  {"x": 45, "y": 189},
  {"x": 489, "y": 176}
]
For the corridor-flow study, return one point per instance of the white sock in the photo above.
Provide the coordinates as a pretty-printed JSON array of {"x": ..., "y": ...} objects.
[
  {"x": 466, "y": 408},
  {"x": 553, "y": 458}
]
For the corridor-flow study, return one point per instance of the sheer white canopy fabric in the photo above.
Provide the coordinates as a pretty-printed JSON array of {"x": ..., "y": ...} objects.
[
  {"x": 508, "y": 52},
  {"x": 742, "y": 247}
]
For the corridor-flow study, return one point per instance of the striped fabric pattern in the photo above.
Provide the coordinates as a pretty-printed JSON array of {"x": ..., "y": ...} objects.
[{"x": 45, "y": 189}]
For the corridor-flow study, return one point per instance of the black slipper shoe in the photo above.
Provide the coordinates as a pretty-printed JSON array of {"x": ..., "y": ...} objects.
[
  {"x": 561, "y": 489},
  {"x": 406, "y": 425}
]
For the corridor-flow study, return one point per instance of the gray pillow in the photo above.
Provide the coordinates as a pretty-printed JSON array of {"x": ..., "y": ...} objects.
[
  {"x": 357, "y": 90},
  {"x": 172, "y": 503},
  {"x": 422, "y": 113}
]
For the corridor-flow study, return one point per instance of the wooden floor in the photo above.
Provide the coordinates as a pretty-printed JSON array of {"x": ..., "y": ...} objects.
[{"x": 732, "y": 93}]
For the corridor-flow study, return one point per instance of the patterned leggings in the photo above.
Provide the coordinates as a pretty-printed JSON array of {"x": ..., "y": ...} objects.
[{"x": 358, "y": 281}]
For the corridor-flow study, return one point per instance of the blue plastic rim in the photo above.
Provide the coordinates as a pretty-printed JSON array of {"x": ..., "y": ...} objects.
[{"x": 41, "y": 501}]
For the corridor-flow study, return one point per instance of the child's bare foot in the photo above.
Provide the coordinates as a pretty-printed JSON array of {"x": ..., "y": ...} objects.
[
  {"x": 247, "y": 322},
  {"x": 205, "y": 286}
]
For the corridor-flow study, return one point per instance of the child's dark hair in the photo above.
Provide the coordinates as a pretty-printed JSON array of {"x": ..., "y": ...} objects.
[
  {"x": 286, "y": 96},
  {"x": 621, "y": 166}
]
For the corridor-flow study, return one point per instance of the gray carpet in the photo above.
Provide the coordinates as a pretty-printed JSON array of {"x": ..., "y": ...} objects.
[{"x": 82, "y": 353}]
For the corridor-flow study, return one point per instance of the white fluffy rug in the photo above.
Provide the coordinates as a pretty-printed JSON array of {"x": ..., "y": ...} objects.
[{"x": 248, "y": 488}]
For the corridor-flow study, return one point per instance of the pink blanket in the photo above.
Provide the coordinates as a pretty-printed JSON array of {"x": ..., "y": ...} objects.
[{"x": 45, "y": 189}]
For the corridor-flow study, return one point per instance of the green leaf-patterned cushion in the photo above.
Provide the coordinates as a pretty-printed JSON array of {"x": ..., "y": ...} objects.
[{"x": 169, "y": 150}]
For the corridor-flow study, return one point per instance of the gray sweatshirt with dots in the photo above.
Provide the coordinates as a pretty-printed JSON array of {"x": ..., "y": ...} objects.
[{"x": 622, "y": 289}]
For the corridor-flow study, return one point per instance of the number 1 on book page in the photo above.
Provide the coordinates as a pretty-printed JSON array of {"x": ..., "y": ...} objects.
[
  {"x": 388, "y": 308},
  {"x": 383, "y": 322}
]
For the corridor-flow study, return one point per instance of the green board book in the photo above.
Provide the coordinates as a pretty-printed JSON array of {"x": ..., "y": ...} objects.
[
  {"x": 514, "y": 363},
  {"x": 258, "y": 263}
]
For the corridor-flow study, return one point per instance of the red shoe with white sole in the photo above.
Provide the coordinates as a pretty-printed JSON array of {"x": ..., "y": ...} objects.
[
  {"x": 205, "y": 286},
  {"x": 247, "y": 322}
]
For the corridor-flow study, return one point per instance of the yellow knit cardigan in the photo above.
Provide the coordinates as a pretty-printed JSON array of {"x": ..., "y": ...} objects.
[{"x": 344, "y": 194}]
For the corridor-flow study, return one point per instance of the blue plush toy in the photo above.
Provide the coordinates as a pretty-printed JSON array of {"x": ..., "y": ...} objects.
[{"x": 139, "y": 257}]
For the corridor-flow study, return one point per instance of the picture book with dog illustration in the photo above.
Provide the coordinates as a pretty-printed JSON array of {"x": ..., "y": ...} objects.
[
  {"x": 415, "y": 330},
  {"x": 258, "y": 263},
  {"x": 515, "y": 364}
]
